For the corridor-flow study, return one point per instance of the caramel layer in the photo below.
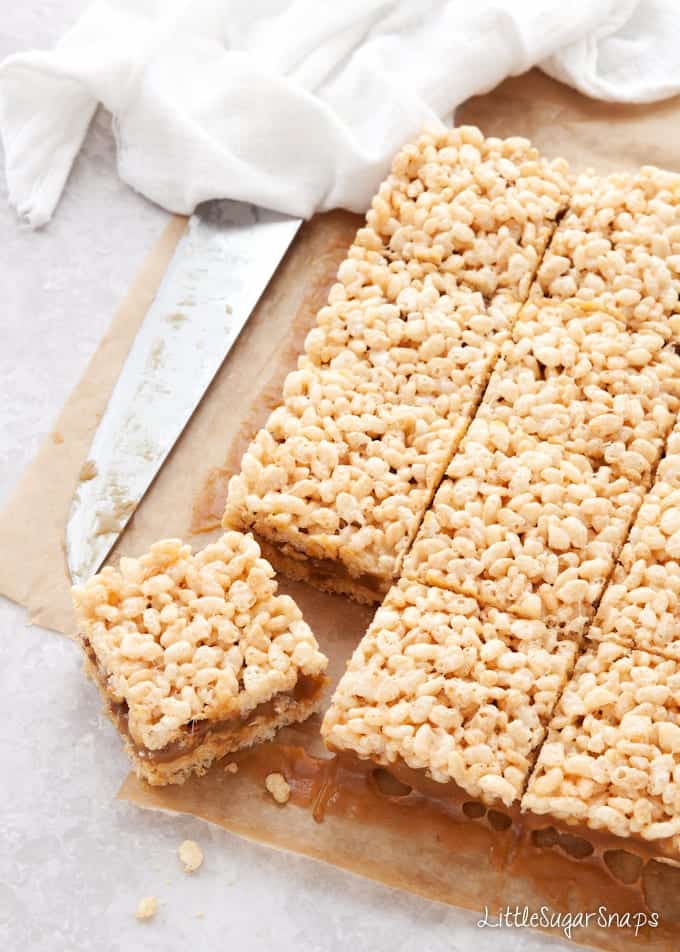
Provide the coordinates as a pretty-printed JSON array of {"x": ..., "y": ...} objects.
[
  {"x": 306, "y": 689},
  {"x": 324, "y": 574}
]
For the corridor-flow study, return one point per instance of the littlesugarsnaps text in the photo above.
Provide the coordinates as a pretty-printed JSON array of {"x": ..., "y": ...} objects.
[{"x": 522, "y": 917}]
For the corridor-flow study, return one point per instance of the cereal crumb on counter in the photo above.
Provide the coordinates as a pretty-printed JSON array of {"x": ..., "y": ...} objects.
[
  {"x": 278, "y": 786},
  {"x": 231, "y": 767},
  {"x": 87, "y": 471},
  {"x": 191, "y": 855},
  {"x": 146, "y": 908}
]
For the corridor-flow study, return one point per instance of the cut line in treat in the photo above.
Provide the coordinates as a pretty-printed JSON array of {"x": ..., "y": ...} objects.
[
  {"x": 641, "y": 606},
  {"x": 539, "y": 499}
]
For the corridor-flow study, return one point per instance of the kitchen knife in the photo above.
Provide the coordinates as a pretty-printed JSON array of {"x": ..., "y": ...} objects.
[{"x": 220, "y": 268}]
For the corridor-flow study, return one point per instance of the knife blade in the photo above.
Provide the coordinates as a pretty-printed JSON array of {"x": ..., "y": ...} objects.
[{"x": 220, "y": 268}]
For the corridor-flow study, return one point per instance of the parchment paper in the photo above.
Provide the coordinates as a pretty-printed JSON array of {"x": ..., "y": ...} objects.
[{"x": 186, "y": 500}]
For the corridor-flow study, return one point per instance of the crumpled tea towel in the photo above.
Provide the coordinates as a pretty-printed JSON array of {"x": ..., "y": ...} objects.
[{"x": 299, "y": 105}]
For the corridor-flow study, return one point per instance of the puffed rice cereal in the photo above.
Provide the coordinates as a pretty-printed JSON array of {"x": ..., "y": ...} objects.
[
  {"x": 337, "y": 482},
  {"x": 619, "y": 245},
  {"x": 537, "y": 502}
]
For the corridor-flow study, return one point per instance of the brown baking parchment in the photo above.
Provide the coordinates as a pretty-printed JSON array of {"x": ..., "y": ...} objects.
[{"x": 363, "y": 829}]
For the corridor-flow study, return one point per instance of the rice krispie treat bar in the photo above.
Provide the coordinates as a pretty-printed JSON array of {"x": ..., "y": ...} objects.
[
  {"x": 641, "y": 605},
  {"x": 619, "y": 244},
  {"x": 538, "y": 500},
  {"x": 196, "y": 655},
  {"x": 478, "y": 211},
  {"x": 427, "y": 348},
  {"x": 611, "y": 761},
  {"x": 334, "y": 485},
  {"x": 337, "y": 482},
  {"x": 458, "y": 692}
]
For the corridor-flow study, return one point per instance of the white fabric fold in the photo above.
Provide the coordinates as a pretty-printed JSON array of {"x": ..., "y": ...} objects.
[{"x": 298, "y": 105}]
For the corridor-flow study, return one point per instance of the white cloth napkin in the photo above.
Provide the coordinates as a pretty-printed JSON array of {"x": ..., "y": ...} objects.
[{"x": 299, "y": 105}]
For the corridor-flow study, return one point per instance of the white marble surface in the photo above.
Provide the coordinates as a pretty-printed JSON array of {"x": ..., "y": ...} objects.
[{"x": 74, "y": 862}]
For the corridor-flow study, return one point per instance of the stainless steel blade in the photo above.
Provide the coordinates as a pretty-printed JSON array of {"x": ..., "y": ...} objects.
[{"x": 219, "y": 270}]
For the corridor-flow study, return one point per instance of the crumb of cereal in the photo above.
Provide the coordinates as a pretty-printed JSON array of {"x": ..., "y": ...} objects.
[
  {"x": 191, "y": 855},
  {"x": 87, "y": 471},
  {"x": 146, "y": 908},
  {"x": 278, "y": 786},
  {"x": 231, "y": 767}
]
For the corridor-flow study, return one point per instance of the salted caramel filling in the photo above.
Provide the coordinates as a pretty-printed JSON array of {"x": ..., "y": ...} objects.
[
  {"x": 322, "y": 569},
  {"x": 328, "y": 568},
  {"x": 196, "y": 732},
  {"x": 543, "y": 831}
]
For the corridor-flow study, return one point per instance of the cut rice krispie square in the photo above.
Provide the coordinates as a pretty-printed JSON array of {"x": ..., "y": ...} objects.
[
  {"x": 337, "y": 481},
  {"x": 425, "y": 348},
  {"x": 655, "y": 536},
  {"x": 619, "y": 244},
  {"x": 538, "y": 500},
  {"x": 479, "y": 211},
  {"x": 460, "y": 692},
  {"x": 611, "y": 761},
  {"x": 591, "y": 383},
  {"x": 536, "y": 533},
  {"x": 641, "y": 606},
  {"x": 196, "y": 655}
]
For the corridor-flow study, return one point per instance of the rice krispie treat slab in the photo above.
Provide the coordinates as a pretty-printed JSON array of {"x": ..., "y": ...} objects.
[
  {"x": 458, "y": 692},
  {"x": 422, "y": 306},
  {"x": 619, "y": 244},
  {"x": 641, "y": 606},
  {"x": 538, "y": 500},
  {"x": 196, "y": 655},
  {"x": 611, "y": 761}
]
